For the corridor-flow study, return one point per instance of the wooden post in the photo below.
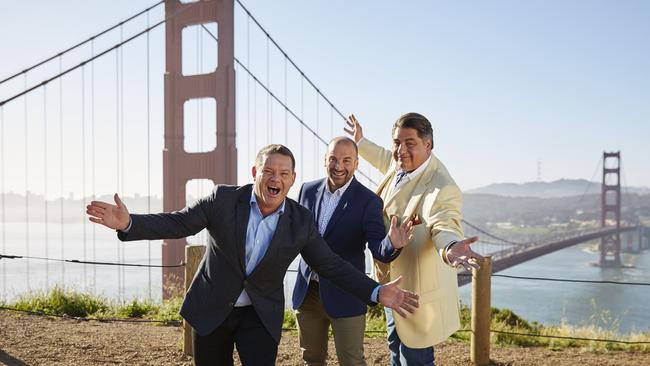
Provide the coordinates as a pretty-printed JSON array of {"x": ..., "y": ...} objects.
[
  {"x": 193, "y": 256},
  {"x": 481, "y": 313}
]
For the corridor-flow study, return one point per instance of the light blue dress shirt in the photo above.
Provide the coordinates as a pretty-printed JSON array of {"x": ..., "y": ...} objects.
[{"x": 259, "y": 232}]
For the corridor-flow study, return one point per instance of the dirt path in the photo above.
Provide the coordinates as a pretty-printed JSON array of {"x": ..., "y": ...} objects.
[{"x": 34, "y": 340}]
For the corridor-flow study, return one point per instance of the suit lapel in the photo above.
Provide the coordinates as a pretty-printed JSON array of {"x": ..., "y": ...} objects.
[
  {"x": 317, "y": 201},
  {"x": 243, "y": 212},
  {"x": 342, "y": 205},
  {"x": 422, "y": 185}
]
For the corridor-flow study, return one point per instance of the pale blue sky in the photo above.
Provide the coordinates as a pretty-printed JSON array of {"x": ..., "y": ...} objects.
[{"x": 504, "y": 83}]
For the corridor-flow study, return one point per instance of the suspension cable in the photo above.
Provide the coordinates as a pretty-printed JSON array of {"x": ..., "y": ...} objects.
[
  {"x": 26, "y": 151},
  {"x": 121, "y": 144},
  {"x": 83, "y": 170},
  {"x": 492, "y": 235},
  {"x": 286, "y": 100},
  {"x": 117, "y": 160},
  {"x": 288, "y": 58},
  {"x": 82, "y": 63},
  {"x": 45, "y": 185},
  {"x": 61, "y": 169},
  {"x": 92, "y": 153},
  {"x": 148, "y": 151},
  {"x": 2, "y": 199},
  {"x": 58, "y": 55}
]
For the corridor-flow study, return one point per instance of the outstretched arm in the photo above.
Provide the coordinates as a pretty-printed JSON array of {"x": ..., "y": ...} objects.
[
  {"x": 461, "y": 253},
  {"x": 327, "y": 264},
  {"x": 172, "y": 225}
]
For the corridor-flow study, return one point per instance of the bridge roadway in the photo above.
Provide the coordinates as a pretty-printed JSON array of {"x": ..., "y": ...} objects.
[{"x": 518, "y": 254}]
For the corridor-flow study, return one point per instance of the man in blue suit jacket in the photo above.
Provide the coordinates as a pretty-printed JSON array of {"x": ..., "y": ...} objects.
[{"x": 347, "y": 215}]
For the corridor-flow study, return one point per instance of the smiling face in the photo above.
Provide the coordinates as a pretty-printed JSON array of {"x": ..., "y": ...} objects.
[
  {"x": 409, "y": 150},
  {"x": 273, "y": 177},
  {"x": 341, "y": 162}
]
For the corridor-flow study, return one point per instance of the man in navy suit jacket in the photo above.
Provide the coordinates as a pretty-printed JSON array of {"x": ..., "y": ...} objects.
[{"x": 347, "y": 215}]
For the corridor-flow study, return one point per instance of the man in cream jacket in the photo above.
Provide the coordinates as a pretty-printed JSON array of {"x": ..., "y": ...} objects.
[{"x": 416, "y": 186}]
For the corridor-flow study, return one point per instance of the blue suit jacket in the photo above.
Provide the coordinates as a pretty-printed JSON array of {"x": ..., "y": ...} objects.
[{"x": 356, "y": 220}]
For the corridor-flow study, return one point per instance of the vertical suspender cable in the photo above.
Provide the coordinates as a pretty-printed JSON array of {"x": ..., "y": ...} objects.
[
  {"x": 148, "y": 153},
  {"x": 269, "y": 110},
  {"x": 26, "y": 188},
  {"x": 248, "y": 91},
  {"x": 255, "y": 117},
  {"x": 92, "y": 153},
  {"x": 122, "y": 146},
  {"x": 2, "y": 201},
  {"x": 331, "y": 121},
  {"x": 61, "y": 171},
  {"x": 302, "y": 127},
  {"x": 117, "y": 156},
  {"x": 316, "y": 144},
  {"x": 286, "y": 102},
  {"x": 45, "y": 184},
  {"x": 83, "y": 171}
]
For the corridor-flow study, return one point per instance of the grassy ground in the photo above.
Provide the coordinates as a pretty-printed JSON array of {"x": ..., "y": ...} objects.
[{"x": 63, "y": 302}]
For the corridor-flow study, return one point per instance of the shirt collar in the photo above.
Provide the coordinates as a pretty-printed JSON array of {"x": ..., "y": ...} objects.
[
  {"x": 253, "y": 202},
  {"x": 419, "y": 170},
  {"x": 340, "y": 190}
]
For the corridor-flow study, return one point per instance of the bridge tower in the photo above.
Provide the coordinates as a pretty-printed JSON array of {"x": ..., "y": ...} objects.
[
  {"x": 610, "y": 246},
  {"x": 179, "y": 166}
]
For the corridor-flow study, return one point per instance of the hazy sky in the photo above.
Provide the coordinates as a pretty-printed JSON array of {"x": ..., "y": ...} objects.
[{"x": 505, "y": 83}]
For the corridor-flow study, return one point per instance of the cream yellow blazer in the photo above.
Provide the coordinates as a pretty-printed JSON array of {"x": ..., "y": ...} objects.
[{"x": 436, "y": 199}]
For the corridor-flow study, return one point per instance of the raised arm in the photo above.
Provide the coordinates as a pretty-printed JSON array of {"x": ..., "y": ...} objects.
[{"x": 376, "y": 155}]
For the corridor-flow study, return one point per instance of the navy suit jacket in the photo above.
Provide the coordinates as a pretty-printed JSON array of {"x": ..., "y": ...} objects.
[
  {"x": 221, "y": 276},
  {"x": 356, "y": 220}
]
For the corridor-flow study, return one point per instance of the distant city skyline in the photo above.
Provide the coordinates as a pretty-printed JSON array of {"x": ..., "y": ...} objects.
[{"x": 507, "y": 85}]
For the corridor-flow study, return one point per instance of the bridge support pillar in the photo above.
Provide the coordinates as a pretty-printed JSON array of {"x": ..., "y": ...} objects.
[
  {"x": 179, "y": 166},
  {"x": 610, "y": 246}
]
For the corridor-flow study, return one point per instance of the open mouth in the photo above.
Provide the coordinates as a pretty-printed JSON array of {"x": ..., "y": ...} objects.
[
  {"x": 274, "y": 191},
  {"x": 338, "y": 174}
]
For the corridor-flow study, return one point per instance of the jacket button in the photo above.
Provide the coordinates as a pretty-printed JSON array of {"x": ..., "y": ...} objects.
[{"x": 245, "y": 282}]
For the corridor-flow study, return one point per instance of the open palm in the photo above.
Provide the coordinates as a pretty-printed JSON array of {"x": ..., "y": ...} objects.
[{"x": 113, "y": 216}]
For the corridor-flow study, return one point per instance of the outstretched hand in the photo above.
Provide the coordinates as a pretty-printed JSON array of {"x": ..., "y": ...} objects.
[
  {"x": 400, "y": 235},
  {"x": 113, "y": 216},
  {"x": 355, "y": 129},
  {"x": 401, "y": 301},
  {"x": 460, "y": 253}
]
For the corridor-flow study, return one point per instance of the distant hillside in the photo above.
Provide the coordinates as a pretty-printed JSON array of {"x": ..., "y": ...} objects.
[{"x": 558, "y": 188}]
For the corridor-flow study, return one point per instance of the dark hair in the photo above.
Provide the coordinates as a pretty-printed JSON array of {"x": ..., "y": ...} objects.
[
  {"x": 274, "y": 149},
  {"x": 343, "y": 139},
  {"x": 417, "y": 122}
]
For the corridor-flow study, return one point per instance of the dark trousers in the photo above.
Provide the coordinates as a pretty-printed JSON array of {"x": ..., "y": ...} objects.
[
  {"x": 400, "y": 354},
  {"x": 242, "y": 328}
]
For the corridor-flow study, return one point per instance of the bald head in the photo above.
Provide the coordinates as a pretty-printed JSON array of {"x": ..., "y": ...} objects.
[
  {"x": 341, "y": 162},
  {"x": 342, "y": 140}
]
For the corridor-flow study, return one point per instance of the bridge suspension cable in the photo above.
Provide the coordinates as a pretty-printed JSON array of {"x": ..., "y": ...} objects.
[
  {"x": 57, "y": 76},
  {"x": 482, "y": 231},
  {"x": 90, "y": 39}
]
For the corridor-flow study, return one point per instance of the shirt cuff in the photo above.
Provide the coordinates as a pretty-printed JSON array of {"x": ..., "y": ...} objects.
[
  {"x": 128, "y": 227},
  {"x": 446, "y": 250},
  {"x": 374, "y": 297}
]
